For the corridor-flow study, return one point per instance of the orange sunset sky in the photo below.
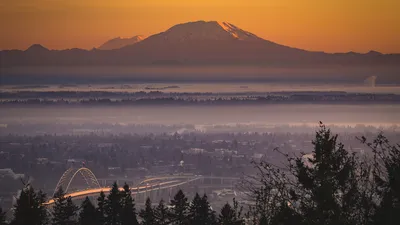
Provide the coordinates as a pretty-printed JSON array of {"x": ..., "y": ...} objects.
[{"x": 321, "y": 25}]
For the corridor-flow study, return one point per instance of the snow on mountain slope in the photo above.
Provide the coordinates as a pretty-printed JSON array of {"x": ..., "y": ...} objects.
[
  {"x": 202, "y": 30},
  {"x": 237, "y": 32},
  {"x": 118, "y": 42}
]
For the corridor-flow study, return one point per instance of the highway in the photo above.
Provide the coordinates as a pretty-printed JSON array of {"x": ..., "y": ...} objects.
[
  {"x": 143, "y": 186},
  {"x": 135, "y": 190}
]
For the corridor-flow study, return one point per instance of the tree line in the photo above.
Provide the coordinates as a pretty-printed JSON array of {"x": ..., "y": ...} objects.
[
  {"x": 331, "y": 186},
  {"x": 117, "y": 208}
]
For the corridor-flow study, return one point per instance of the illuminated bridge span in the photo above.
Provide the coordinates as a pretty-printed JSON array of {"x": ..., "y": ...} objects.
[
  {"x": 69, "y": 175},
  {"x": 135, "y": 190},
  {"x": 146, "y": 186}
]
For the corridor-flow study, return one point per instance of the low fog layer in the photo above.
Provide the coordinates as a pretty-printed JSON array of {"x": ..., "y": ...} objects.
[{"x": 197, "y": 118}]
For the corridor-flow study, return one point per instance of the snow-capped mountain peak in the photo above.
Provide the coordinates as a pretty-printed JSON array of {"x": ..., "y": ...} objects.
[{"x": 207, "y": 30}]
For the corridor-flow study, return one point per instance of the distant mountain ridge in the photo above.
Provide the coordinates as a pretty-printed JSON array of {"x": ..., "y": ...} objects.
[
  {"x": 200, "y": 42},
  {"x": 118, "y": 42}
]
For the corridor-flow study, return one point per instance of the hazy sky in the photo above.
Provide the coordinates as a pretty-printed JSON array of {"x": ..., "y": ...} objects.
[{"x": 323, "y": 25}]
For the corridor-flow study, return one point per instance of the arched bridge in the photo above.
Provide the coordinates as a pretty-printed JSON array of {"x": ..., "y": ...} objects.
[
  {"x": 69, "y": 175},
  {"x": 146, "y": 186}
]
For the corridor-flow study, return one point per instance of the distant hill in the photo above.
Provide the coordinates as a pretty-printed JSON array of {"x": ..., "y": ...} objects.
[
  {"x": 36, "y": 48},
  {"x": 200, "y": 42},
  {"x": 118, "y": 42}
]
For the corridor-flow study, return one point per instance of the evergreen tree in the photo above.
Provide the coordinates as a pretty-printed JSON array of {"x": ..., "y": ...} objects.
[
  {"x": 147, "y": 214},
  {"x": 65, "y": 210},
  {"x": 128, "y": 211},
  {"x": 100, "y": 210},
  {"x": 195, "y": 211},
  {"x": 322, "y": 188},
  {"x": 200, "y": 212},
  {"x": 229, "y": 215},
  {"x": 226, "y": 216},
  {"x": 71, "y": 211},
  {"x": 87, "y": 215},
  {"x": 329, "y": 181},
  {"x": 161, "y": 214},
  {"x": 112, "y": 207},
  {"x": 213, "y": 218},
  {"x": 179, "y": 212},
  {"x": 2, "y": 217},
  {"x": 29, "y": 209},
  {"x": 207, "y": 212}
]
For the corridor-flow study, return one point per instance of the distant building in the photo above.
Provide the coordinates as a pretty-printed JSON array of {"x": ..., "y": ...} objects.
[
  {"x": 370, "y": 81},
  {"x": 8, "y": 172},
  {"x": 194, "y": 151},
  {"x": 221, "y": 141},
  {"x": 114, "y": 168},
  {"x": 224, "y": 151},
  {"x": 42, "y": 160},
  {"x": 4, "y": 153},
  {"x": 105, "y": 145},
  {"x": 257, "y": 156},
  {"x": 224, "y": 192},
  {"x": 74, "y": 161},
  {"x": 146, "y": 147}
]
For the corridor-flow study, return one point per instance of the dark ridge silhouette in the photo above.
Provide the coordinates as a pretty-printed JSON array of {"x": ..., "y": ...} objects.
[
  {"x": 195, "y": 43},
  {"x": 35, "y": 48}
]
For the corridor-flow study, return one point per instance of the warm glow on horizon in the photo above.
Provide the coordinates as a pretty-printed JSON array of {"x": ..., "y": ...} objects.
[{"x": 330, "y": 25}]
